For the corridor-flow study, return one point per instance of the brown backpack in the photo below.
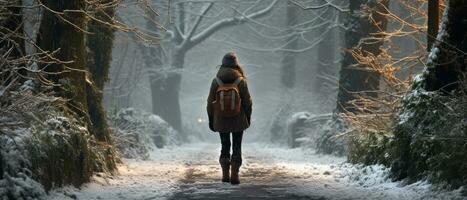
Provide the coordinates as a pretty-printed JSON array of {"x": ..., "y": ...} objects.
[{"x": 228, "y": 102}]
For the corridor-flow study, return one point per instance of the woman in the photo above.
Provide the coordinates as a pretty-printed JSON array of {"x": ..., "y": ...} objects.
[{"x": 230, "y": 82}]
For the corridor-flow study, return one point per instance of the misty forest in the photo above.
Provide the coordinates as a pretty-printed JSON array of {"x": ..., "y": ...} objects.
[{"x": 122, "y": 99}]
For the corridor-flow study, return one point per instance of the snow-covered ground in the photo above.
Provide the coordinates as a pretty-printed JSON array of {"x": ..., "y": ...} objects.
[{"x": 192, "y": 172}]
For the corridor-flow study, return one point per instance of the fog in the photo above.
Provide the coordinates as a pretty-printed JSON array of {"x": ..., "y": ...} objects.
[
  {"x": 262, "y": 44},
  {"x": 358, "y": 99}
]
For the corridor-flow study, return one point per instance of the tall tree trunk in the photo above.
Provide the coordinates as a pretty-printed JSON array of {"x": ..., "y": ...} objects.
[
  {"x": 165, "y": 82},
  {"x": 166, "y": 92},
  {"x": 447, "y": 60},
  {"x": 326, "y": 55},
  {"x": 355, "y": 80},
  {"x": 56, "y": 34},
  {"x": 99, "y": 44},
  {"x": 433, "y": 22},
  {"x": 288, "y": 60},
  {"x": 433, "y": 115}
]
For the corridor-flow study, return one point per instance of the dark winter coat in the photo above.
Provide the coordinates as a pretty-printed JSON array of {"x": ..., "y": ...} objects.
[{"x": 239, "y": 122}]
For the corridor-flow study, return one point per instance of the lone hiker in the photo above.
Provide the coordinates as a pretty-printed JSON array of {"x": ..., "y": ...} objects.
[{"x": 229, "y": 111}]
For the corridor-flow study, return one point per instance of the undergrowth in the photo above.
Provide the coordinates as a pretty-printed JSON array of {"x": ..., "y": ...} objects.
[{"x": 43, "y": 142}]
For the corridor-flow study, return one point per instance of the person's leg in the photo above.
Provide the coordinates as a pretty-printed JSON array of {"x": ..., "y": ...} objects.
[
  {"x": 236, "y": 157},
  {"x": 237, "y": 144},
  {"x": 225, "y": 142},
  {"x": 224, "y": 159}
]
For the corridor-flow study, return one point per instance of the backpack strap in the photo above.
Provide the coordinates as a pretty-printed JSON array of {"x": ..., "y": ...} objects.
[
  {"x": 232, "y": 98},
  {"x": 219, "y": 81},
  {"x": 239, "y": 79},
  {"x": 236, "y": 82},
  {"x": 221, "y": 100}
]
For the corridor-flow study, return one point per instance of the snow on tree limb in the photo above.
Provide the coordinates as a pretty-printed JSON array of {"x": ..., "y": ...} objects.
[
  {"x": 327, "y": 4},
  {"x": 229, "y": 22}
]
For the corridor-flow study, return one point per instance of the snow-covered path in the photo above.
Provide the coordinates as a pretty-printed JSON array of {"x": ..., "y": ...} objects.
[{"x": 192, "y": 172}]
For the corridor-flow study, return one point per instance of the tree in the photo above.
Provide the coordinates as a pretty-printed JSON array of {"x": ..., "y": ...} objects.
[
  {"x": 364, "y": 23},
  {"x": 360, "y": 36},
  {"x": 433, "y": 22},
  {"x": 181, "y": 37},
  {"x": 435, "y": 107},
  {"x": 326, "y": 53},
  {"x": 79, "y": 81},
  {"x": 62, "y": 37},
  {"x": 63, "y": 28},
  {"x": 447, "y": 59},
  {"x": 99, "y": 44},
  {"x": 154, "y": 60},
  {"x": 288, "y": 60}
]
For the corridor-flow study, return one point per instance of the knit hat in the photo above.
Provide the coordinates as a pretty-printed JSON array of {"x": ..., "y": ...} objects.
[{"x": 230, "y": 60}]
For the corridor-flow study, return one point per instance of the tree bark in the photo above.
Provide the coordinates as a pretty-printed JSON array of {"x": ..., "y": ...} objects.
[
  {"x": 359, "y": 80},
  {"x": 447, "y": 61},
  {"x": 165, "y": 90},
  {"x": 165, "y": 83},
  {"x": 56, "y": 34},
  {"x": 326, "y": 55},
  {"x": 99, "y": 44},
  {"x": 433, "y": 22}
]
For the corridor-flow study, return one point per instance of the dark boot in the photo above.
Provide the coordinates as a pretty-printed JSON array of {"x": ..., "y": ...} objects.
[
  {"x": 236, "y": 163},
  {"x": 225, "y": 164}
]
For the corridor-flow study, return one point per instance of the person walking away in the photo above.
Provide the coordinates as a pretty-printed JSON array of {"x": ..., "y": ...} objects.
[{"x": 229, "y": 108}]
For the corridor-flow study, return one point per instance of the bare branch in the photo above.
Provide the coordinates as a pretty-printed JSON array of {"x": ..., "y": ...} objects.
[
  {"x": 198, "y": 21},
  {"x": 229, "y": 22},
  {"x": 327, "y": 4}
]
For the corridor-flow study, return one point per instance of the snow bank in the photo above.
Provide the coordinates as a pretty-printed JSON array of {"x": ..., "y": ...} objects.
[
  {"x": 322, "y": 132},
  {"x": 43, "y": 146},
  {"x": 137, "y": 133},
  {"x": 304, "y": 129},
  {"x": 377, "y": 178},
  {"x": 296, "y": 129}
]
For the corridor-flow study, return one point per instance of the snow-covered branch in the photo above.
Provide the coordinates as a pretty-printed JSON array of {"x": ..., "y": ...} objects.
[
  {"x": 229, "y": 22},
  {"x": 327, "y": 4},
  {"x": 198, "y": 21}
]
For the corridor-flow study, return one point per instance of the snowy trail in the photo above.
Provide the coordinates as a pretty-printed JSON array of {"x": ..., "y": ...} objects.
[{"x": 192, "y": 172}]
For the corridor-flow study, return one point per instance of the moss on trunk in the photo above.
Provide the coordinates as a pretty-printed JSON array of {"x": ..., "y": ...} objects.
[
  {"x": 74, "y": 157},
  {"x": 99, "y": 45},
  {"x": 64, "y": 32}
]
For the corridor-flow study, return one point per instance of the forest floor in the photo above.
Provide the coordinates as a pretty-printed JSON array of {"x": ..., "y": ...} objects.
[{"x": 192, "y": 172}]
